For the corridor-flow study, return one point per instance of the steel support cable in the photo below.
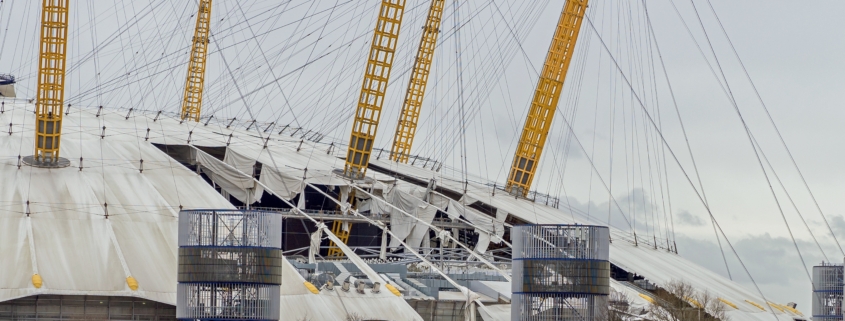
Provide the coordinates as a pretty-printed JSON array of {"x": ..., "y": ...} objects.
[
  {"x": 306, "y": 64},
  {"x": 460, "y": 84},
  {"x": 219, "y": 49},
  {"x": 614, "y": 201},
  {"x": 143, "y": 97},
  {"x": 328, "y": 231},
  {"x": 645, "y": 67},
  {"x": 581, "y": 52},
  {"x": 515, "y": 37},
  {"x": 574, "y": 98},
  {"x": 429, "y": 225},
  {"x": 150, "y": 86},
  {"x": 477, "y": 109},
  {"x": 313, "y": 46},
  {"x": 677, "y": 161},
  {"x": 605, "y": 185},
  {"x": 111, "y": 38},
  {"x": 752, "y": 142},
  {"x": 595, "y": 125},
  {"x": 636, "y": 69},
  {"x": 502, "y": 93},
  {"x": 684, "y": 132},
  {"x": 348, "y": 63},
  {"x": 264, "y": 56},
  {"x": 400, "y": 69},
  {"x": 459, "y": 71},
  {"x": 475, "y": 89},
  {"x": 789, "y": 197},
  {"x": 634, "y": 133},
  {"x": 481, "y": 149},
  {"x": 26, "y": 32},
  {"x": 442, "y": 41},
  {"x": 6, "y": 29},
  {"x": 771, "y": 120},
  {"x": 658, "y": 149},
  {"x": 235, "y": 82}
]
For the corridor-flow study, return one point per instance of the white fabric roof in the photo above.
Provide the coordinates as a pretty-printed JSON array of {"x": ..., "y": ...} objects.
[
  {"x": 68, "y": 241},
  {"x": 657, "y": 265},
  {"x": 298, "y": 303}
]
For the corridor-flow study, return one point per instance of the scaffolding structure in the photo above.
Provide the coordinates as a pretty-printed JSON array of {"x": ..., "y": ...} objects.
[
  {"x": 230, "y": 265},
  {"x": 560, "y": 272},
  {"x": 827, "y": 292}
]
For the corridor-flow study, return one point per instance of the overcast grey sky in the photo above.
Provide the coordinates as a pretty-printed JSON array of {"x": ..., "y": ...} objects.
[{"x": 317, "y": 50}]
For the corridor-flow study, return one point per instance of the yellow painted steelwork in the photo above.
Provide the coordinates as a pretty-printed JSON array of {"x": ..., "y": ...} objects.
[
  {"x": 132, "y": 283},
  {"x": 731, "y": 304},
  {"x": 371, "y": 99},
  {"x": 337, "y": 229},
  {"x": 756, "y": 305},
  {"x": 776, "y": 306},
  {"x": 376, "y": 76},
  {"x": 791, "y": 309},
  {"x": 311, "y": 287},
  {"x": 546, "y": 97},
  {"x": 693, "y": 302},
  {"x": 37, "y": 282},
  {"x": 407, "y": 126},
  {"x": 192, "y": 99},
  {"x": 393, "y": 290},
  {"x": 51, "y": 80}
]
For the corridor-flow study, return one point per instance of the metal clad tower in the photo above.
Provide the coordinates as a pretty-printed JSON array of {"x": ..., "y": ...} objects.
[
  {"x": 230, "y": 265},
  {"x": 560, "y": 272},
  {"x": 827, "y": 292}
]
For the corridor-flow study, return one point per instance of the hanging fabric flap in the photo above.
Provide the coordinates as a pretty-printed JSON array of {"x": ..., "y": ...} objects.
[
  {"x": 314, "y": 248},
  {"x": 499, "y": 226},
  {"x": 400, "y": 223},
  {"x": 483, "y": 242},
  {"x": 285, "y": 186},
  {"x": 426, "y": 213},
  {"x": 233, "y": 182}
]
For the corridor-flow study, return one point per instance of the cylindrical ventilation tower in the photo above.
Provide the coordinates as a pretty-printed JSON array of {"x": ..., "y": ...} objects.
[
  {"x": 560, "y": 272},
  {"x": 230, "y": 265},
  {"x": 827, "y": 292}
]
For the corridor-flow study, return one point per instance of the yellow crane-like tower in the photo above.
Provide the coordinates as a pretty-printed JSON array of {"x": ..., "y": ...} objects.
[
  {"x": 192, "y": 99},
  {"x": 546, "y": 97},
  {"x": 407, "y": 126},
  {"x": 50, "y": 97},
  {"x": 371, "y": 99}
]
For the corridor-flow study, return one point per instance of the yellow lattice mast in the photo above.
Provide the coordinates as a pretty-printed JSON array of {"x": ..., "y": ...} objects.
[
  {"x": 407, "y": 126},
  {"x": 371, "y": 99},
  {"x": 51, "y": 83},
  {"x": 546, "y": 96},
  {"x": 192, "y": 100}
]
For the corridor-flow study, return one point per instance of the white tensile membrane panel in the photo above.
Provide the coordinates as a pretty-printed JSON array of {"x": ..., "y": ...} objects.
[
  {"x": 657, "y": 265},
  {"x": 84, "y": 232}
]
